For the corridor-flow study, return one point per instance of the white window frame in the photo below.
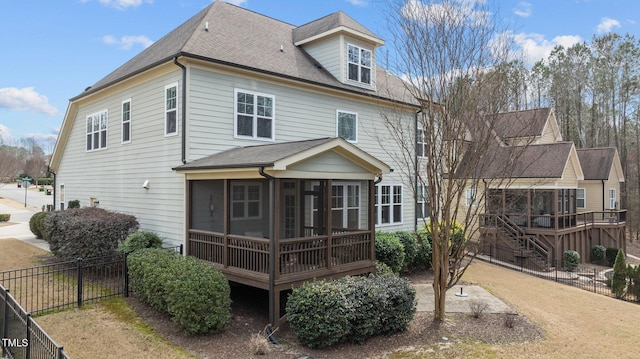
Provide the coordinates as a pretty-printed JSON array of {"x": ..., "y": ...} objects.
[
  {"x": 391, "y": 204},
  {"x": 101, "y": 119},
  {"x": 61, "y": 197},
  {"x": 612, "y": 198},
  {"x": 246, "y": 200},
  {"x": 582, "y": 197},
  {"x": 470, "y": 197},
  {"x": 170, "y": 107},
  {"x": 254, "y": 115},
  {"x": 338, "y": 125},
  {"x": 126, "y": 120},
  {"x": 345, "y": 202},
  {"x": 421, "y": 144},
  {"x": 422, "y": 201},
  {"x": 357, "y": 60}
]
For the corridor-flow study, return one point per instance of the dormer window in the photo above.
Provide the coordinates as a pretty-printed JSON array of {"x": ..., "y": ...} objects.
[{"x": 359, "y": 60}]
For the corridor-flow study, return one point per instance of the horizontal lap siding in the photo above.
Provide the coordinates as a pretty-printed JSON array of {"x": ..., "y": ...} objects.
[
  {"x": 114, "y": 176},
  {"x": 299, "y": 115}
]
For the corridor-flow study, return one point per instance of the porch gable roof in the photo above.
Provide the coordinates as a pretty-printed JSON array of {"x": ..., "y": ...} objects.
[{"x": 284, "y": 156}]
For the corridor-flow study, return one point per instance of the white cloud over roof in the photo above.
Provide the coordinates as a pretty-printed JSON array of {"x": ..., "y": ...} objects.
[{"x": 25, "y": 99}]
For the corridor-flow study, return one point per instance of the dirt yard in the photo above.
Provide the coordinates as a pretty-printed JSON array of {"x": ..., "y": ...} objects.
[{"x": 554, "y": 321}]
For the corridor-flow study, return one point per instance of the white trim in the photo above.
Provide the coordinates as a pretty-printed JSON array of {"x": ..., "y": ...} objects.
[
  {"x": 470, "y": 198},
  {"x": 122, "y": 122},
  {"x": 371, "y": 66},
  {"x": 338, "y": 112},
  {"x": 391, "y": 204},
  {"x": 584, "y": 198},
  {"x": 612, "y": 200},
  {"x": 254, "y": 115},
  {"x": 98, "y": 132},
  {"x": 175, "y": 132}
]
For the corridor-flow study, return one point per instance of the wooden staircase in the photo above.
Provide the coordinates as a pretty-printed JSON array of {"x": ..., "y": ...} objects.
[{"x": 524, "y": 246}]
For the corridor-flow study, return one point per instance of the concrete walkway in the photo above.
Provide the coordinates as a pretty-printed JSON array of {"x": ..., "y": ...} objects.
[{"x": 457, "y": 303}]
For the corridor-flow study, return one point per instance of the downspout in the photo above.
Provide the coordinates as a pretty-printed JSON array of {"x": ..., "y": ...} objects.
[
  {"x": 272, "y": 248},
  {"x": 184, "y": 108},
  {"x": 604, "y": 197}
]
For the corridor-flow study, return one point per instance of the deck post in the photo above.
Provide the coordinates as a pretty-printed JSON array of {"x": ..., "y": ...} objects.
[{"x": 329, "y": 221}]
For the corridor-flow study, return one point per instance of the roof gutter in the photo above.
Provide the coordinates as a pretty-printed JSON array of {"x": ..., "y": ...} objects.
[{"x": 184, "y": 108}]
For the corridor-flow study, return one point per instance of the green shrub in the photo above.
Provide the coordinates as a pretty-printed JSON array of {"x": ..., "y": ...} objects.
[
  {"x": 199, "y": 297},
  {"x": 87, "y": 232},
  {"x": 74, "y": 204},
  {"x": 140, "y": 240},
  {"x": 389, "y": 250},
  {"x": 633, "y": 273},
  {"x": 611, "y": 254},
  {"x": 598, "y": 254},
  {"x": 409, "y": 242},
  {"x": 424, "y": 250},
  {"x": 4, "y": 217},
  {"x": 382, "y": 268},
  {"x": 44, "y": 181},
  {"x": 571, "y": 260},
  {"x": 150, "y": 270},
  {"x": 350, "y": 309},
  {"x": 619, "y": 280},
  {"x": 36, "y": 223},
  {"x": 318, "y": 313}
]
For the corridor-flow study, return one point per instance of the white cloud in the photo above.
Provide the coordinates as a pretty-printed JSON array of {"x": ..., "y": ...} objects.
[
  {"x": 535, "y": 47},
  {"x": 236, "y": 2},
  {"x": 123, "y": 4},
  {"x": 452, "y": 13},
  {"x": 357, "y": 2},
  {"x": 523, "y": 9},
  {"x": 5, "y": 135},
  {"x": 127, "y": 42},
  {"x": 606, "y": 24},
  {"x": 25, "y": 99}
]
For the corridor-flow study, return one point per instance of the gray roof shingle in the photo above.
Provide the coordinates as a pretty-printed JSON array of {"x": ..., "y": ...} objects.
[
  {"x": 596, "y": 162},
  {"x": 525, "y": 123}
]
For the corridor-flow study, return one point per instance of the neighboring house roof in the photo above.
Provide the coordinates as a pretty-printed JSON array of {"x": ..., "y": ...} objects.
[
  {"x": 597, "y": 162},
  {"x": 516, "y": 124},
  {"x": 280, "y": 156},
  {"x": 227, "y": 34}
]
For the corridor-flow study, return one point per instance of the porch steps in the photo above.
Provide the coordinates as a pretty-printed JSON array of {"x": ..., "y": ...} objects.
[{"x": 517, "y": 240}]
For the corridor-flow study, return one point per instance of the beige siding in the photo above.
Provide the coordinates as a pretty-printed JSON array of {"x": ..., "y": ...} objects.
[
  {"x": 328, "y": 54},
  {"x": 593, "y": 195},
  {"x": 114, "y": 176}
]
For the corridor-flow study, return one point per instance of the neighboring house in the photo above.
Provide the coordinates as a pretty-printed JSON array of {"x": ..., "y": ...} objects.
[
  {"x": 257, "y": 144},
  {"x": 556, "y": 198}
]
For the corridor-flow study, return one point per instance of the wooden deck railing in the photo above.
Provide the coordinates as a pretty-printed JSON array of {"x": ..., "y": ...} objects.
[
  {"x": 295, "y": 255},
  {"x": 560, "y": 221}
]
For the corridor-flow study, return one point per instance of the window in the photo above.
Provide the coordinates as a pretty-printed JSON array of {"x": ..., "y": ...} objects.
[
  {"x": 471, "y": 199},
  {"x": 422, "y": 202},
  {"x": 61, "y": 199},
  {"x": 126, "y": 121},
  {"x": 421, "y": 146},
  {"x": 359, "y": 62},
  {"x": 345, "y": 205},
  {"x": 388, "y": 204},
  {"x": 97, "y": 131},
  {"x": 171, "y": 109},
  {"x": 612, "y": 198},
  {"x": 254, "y": 115},
  {"x": 245, "y": 201},
  {"x": 581, "y": 199},
  {"x": 347, "y": 126}
]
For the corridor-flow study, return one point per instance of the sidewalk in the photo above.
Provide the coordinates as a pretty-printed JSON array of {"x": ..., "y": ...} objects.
[{"x": 20, "y": 227}]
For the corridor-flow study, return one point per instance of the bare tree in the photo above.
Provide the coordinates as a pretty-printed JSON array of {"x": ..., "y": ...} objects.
[{"x": 454, "y": 60}]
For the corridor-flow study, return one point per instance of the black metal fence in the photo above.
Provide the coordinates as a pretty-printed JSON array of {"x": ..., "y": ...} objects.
[
  {"x": 52, "y": 287},
  {"x": 21, "y": 336},
  {"x": 595, "y": 279}
]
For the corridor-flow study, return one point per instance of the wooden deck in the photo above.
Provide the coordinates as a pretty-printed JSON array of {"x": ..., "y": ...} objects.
[{"x": 245, "y": 259}]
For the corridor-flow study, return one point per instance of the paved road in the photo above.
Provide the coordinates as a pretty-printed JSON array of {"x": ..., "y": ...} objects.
[{"x": 34, "y": 197}]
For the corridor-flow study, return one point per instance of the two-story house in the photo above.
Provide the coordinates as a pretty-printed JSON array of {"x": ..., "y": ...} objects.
[{"x": 257, "y": 144}]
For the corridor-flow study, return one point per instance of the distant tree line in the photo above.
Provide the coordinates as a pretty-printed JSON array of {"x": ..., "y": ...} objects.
[{"x": 26, "y": 159}]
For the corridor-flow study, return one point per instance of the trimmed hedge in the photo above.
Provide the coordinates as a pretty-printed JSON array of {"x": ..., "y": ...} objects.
[
  {"x": 87, "y": 232},
  {"x": 4, "y": 217},
  {"x": 571, "y": 260},
  {"x": 36, "y": 224},
  {"x": 389, "y": 250},
  {"x": 140, "y": 240},
  {"x": 350, "y": 309},
  {"x": 598, "y": 254},
  {"x": 424, "y": 250},
  {"x": 197, "y": 296},
  {"x": 409, "y": 242}
]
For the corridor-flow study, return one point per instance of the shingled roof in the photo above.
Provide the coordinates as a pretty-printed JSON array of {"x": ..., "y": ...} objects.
[
  {"x": 516, "y": 124},
  {"x": 245, "y": 39},
  {"x": 329, "y": 23},
  {"x": 596, "y": 162}
]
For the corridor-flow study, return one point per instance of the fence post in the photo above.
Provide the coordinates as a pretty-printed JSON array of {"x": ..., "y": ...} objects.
[
  {"x": 555, "y": 265},
  {"x": 126, "y": 275},
  {"x": 594, "y": 281},
  {"x": 79, "y": 282},
  {"x": 5, "y": 323},
  {"x": 60, "y": 351},
  {"x": 27, "y": 349}
]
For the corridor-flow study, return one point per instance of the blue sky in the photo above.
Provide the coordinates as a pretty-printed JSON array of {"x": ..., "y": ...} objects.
[{"x": 53, "y": 50}]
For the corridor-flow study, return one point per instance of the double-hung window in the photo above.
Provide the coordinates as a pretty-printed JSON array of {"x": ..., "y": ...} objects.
[
  {"x": 345, "y": 205},
  {"x": 245, "y": 201},
  {"x": 97, "y": 131},
  {"x": 126, "y": 121},
  {"x": 470, "y": 198},
  {"x": 171, "y": 109},
  {"x": 612, "y": 198},
  {"x": 581, "y": 199},
  {"x": 422, "y": 202},
  {"x": 359, "y": 64},
  {"x": 421, "y": 146},
  {"x": 388, "y": 204},
  {"x": 254, "y": 115},
  {"x": 347, "y": 125}
]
